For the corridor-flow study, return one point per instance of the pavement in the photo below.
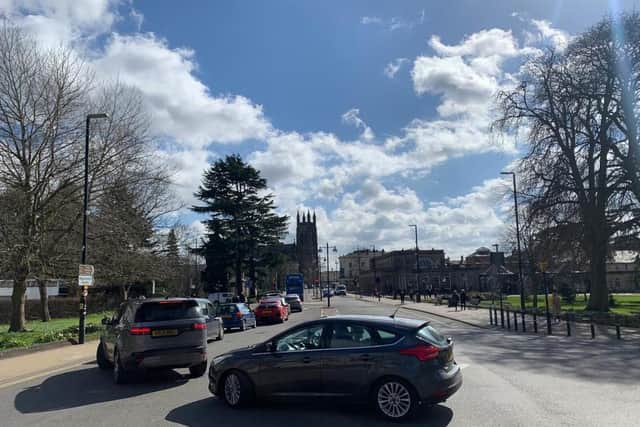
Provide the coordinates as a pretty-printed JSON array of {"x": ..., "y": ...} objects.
[{"x": 509, "y": 380}]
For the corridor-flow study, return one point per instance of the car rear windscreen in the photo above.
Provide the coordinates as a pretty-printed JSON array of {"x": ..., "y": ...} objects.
[
  {"x": 431, "y": 335},
  {"x": 227, "y": 309},
  {"x": 161, "y": 311}
]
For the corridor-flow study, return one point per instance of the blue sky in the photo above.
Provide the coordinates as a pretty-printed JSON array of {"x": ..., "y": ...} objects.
[{"x": 373, "y": 113}]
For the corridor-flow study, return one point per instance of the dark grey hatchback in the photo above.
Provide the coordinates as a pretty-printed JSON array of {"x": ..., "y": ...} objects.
[{"x": 394, "y": 363}]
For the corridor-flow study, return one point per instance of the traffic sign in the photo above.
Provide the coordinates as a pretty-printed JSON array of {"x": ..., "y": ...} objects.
[{"x": 85, "y": 275}]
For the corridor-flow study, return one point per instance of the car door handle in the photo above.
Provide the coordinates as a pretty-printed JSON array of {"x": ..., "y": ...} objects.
[
  {"x": 306, "y": 359},
  {"x": 365, "y": 357}
]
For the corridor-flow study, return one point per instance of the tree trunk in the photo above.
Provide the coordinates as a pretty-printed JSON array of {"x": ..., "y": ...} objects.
[
  {"x": 45, "y": 316},
  {"x": 238, "y": 272},
  {"x": 18, "y": 323},
  {"x": 599, "y": 299}
]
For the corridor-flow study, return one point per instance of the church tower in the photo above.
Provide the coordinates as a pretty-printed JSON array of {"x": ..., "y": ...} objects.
[{"x": 307, "y": 247}]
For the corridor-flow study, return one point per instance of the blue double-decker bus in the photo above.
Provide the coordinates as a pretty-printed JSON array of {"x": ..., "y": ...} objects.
[{"x": 294, "y": 284}]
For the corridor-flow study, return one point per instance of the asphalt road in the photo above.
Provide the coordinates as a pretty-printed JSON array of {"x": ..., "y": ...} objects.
[{"x": 509, "y": 380}]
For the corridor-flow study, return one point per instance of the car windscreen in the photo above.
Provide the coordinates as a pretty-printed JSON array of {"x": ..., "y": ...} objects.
[
  {"x": 160, "y": 311},
  {"x": 431, "y": 335}
]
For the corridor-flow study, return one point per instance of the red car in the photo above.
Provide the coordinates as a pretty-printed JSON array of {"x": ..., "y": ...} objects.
[{"x": 272, "y": 310}]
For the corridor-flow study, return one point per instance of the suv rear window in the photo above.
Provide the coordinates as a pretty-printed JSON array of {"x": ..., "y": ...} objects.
[
  {"x": 432, "y": 336},
  {"x": 161, "y": 311}
]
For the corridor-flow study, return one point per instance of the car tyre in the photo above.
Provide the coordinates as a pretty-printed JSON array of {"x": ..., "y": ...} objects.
[
  {"x": 395, "y": 399},
  {"x": 101, "y": 358},
  {"x": 119, "y": 373},
  {"x": 197, "y": 371},
  {"x": 237, "y": 390},
  {"x": 243, "y": 325}
]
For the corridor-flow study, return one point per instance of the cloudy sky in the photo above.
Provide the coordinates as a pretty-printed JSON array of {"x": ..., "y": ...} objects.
[{"x": 374, "y": 114}]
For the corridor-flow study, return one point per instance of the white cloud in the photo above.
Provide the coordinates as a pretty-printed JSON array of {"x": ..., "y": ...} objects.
[
  {"x": 61, "y": 22},
  {"x": 494, "y": 41},
  {"x": 557, "y": 38},
  {"x": 394, "y": 66},
  {"x": 366, "y": 20},
  {"x": 181, "y": 106},
  {"x": 352, "y": 117}
]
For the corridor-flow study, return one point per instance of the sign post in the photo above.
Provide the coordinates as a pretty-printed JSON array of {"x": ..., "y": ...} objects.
[{"x": 85, "y": 279}]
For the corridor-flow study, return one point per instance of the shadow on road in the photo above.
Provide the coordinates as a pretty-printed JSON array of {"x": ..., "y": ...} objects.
[
  {"x": 268, "y": 414},
  {"x": 604, "y": 362},
  {"x": 91, "y": 385}
]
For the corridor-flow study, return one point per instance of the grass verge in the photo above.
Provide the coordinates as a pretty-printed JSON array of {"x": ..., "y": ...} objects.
[{"x": 44, "y": 332}]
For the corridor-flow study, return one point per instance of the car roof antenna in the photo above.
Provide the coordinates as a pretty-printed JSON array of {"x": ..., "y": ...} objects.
[{"x": 393, "y": 316}]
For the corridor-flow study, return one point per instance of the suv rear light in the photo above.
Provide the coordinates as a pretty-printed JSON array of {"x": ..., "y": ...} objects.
[
  {"x": 239, "y": 315},
  {"x": 140, "y": 331},
  {"x": 422, "y": 352},
  {"x": 199, "y": 326}
]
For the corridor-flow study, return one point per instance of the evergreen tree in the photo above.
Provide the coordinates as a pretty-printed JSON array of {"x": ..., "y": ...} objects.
[{"x": 242, "y": 217}]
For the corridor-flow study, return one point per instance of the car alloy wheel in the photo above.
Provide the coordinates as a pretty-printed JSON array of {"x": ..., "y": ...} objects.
[
  {"x": 394, "y": 400},
  {"x": 232, "y": 389}
]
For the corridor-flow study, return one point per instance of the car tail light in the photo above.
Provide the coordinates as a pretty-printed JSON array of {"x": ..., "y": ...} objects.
[
  {"x": 140, "y": 331},
  {"x": 422, "y": 352},
  {"x": 239, "y": 315},
  {"x": 199, "y": 326}
]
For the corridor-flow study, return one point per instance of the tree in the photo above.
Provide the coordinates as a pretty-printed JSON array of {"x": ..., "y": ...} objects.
[
  {"x": 41, "y": 94},
  {"x": 173, "y": 252},
  {"x": 44, "y": 98},
  {"x": 241, "y": 220},
  {"x": 570, "y": 174}
]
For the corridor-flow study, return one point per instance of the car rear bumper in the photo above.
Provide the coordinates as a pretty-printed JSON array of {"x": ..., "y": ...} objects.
[
  {"x": 179, "y": 357},
  {"x": 268, "y": 317},
  {"x": 445, "y": 384}
]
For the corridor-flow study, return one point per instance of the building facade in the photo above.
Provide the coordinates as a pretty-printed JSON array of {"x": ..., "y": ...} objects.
[{"x": 353, "y": 265}]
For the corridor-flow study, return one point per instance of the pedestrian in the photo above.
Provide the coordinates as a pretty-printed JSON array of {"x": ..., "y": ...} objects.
[
  {"x": 555, "y": 305},
  {"x": 378, "y": 294},
  {"x": 454, "y": 299},
  {"x": 241, "y": 298},
  {"x": 463, "y": 300},
  {"x": 402, "y": 296}
]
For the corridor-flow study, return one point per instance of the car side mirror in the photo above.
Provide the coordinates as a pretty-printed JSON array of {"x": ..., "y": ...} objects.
[{"x": 269, "y": 347}]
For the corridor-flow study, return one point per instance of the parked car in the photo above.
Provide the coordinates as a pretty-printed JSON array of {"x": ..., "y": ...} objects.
[
  {"x": 395, "y": 364},
  {"x": 154, "y": 333},
  {"x": 341, "y": 290},
  {"x": 215, "y": 329},
  {"x": 326, "y": 292},
  {"x": 237, "y": 315},
  {"x": 295, "y": 304},
  {"x": 273, "y": 309},
  {"x": 220, "y": 297}
]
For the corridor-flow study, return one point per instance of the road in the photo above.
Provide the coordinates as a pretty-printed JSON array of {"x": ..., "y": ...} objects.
[{"x": 509, "y": 380}]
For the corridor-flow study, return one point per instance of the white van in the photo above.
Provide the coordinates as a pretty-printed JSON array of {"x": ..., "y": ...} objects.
[{"x": 221, "y": 297}]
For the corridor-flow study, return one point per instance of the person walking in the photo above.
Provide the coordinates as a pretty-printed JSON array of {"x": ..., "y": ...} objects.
[
  {"x": 454, "y": 299},
  {"x": 402, "y": 296},
  {"x": 463, "y": 300},
  {"x": 555, "y": 306}
]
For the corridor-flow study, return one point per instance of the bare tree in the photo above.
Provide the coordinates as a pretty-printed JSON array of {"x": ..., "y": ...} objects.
[
  {"x": 570, "y": 173},
  {"x": 41, "y": 94}
]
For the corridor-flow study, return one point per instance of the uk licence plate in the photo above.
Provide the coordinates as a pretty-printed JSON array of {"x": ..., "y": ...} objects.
[
  {"x": 164, "y": 333},
  {"x": 226, "y": 316}
]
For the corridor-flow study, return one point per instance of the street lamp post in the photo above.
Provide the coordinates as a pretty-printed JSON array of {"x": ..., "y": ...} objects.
[
  {"x": 515, "y": 201},
  {"x": 415, "y": 228},
  {"x": 328, "y": 272},
  {"x": 85, "y": 207}
]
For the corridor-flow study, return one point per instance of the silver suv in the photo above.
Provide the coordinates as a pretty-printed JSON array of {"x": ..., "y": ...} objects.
[{"x": 154, "y": 333}]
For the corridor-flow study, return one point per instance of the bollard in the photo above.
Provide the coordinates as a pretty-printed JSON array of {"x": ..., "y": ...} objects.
[
  {"x": 508, "y": 320},
  {"x": 490, "y": 316},
  {"x": 535, "y": 322},
  {"x": 593, "y": 332},
  {"x": 515, "y": 321},
  {"x": 568, "y": 327},
  {"x": 618, "y": 331},
  {"x": 502, "y": 317}
]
